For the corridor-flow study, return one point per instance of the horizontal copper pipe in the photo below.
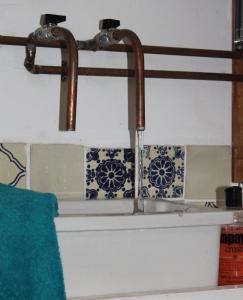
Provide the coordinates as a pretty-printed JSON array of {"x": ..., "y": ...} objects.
[
  {"x": 22, "y": 41},
  {"x": 178, "y": 51},
  {"x": 111, "y": 72}
]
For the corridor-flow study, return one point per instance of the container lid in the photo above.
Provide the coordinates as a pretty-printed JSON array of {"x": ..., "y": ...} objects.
[{"x": 233, "y": 196}]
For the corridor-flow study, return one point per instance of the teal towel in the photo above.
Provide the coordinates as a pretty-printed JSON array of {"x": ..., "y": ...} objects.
[{"x": 30, "y": 265}]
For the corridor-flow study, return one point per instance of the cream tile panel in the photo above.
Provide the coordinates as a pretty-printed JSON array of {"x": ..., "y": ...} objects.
[
  {"x": 208, "y": 171},
  {"x": 58, "y": 169}
]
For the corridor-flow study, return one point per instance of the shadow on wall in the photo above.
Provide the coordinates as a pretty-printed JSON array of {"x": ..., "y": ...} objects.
[{"x": 220, "y": 196}]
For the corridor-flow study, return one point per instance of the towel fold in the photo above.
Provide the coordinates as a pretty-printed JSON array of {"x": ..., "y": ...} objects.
[{"x": 30, "y": 265}]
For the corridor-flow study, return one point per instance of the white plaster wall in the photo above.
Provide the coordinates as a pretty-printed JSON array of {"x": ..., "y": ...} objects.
[{"x": 177, "y": 111}]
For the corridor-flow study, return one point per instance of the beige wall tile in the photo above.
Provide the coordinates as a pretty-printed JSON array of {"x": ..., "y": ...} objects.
[
  {"x": 58, "y": 169},
  {"x": 208, "y": 171},
  {"x": 13, "y": 164}
]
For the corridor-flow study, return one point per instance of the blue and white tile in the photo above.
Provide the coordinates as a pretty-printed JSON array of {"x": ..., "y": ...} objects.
[
  {"x": 109, "y": 173},
  {"x": 13, "y": 164},
  {"x": 163, "y": 172}
]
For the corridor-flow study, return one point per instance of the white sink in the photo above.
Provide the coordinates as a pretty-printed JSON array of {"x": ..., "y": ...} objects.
[
  {"x": 106, "y": 250},
  {"x": 119, "y": 207}
]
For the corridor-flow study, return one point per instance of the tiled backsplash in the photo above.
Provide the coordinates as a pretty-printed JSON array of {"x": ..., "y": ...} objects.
[
  {"x": 110, "y": 172},
  {"x": 71, "y": 171}
]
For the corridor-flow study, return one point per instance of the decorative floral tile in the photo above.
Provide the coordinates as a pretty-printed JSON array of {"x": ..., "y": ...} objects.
[
  {"x": 163, "y": 172},
  {"x": 12, "y": 164},
  {"x": 109, "y": 173}
]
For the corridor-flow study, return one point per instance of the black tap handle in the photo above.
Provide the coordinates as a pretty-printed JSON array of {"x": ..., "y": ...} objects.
[
  {"x": 108, "y": 24},
  {"x": 51, "y": 19}
]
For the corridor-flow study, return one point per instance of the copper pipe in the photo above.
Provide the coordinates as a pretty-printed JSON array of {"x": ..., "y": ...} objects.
[
  {"x": 179, "y": 51},
  {"x": 22, "y": 41},
  {"x": 116, "y": 35},
  {"x": 123, "y": 34},
  {"x": 148, "y": 49},
  {"x": 71, "y": 74},
  {"x": 156, "y": 74},
  {"x": 69, "y": 71},
  {"x": 112, "y": 72}
]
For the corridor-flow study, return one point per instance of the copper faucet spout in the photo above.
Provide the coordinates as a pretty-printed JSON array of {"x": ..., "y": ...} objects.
[
  {"x": 123, "y": 34},
  {"x": 70, "y": 74},
  {"x": 69, "y": 69},
  {"x": 109, "y": 36}
]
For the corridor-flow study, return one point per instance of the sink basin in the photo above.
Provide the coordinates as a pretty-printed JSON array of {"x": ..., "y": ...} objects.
[
  {"x": 106, "y": 250},
  {"x": 120, "y": 207}
]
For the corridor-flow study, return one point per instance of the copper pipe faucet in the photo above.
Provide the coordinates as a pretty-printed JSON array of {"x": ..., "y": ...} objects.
[
  {"x": 139, "y": 73},
  {"x": 48, "y": 32},
  {"x": 110, "y": 35}
]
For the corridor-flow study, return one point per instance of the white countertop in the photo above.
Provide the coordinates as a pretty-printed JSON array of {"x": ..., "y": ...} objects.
[{"x": 214, "y": 293}]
